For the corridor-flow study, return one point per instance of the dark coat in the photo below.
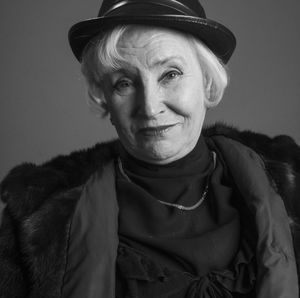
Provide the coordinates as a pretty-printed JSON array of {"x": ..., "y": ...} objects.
[{"x": 40, "y": 201}]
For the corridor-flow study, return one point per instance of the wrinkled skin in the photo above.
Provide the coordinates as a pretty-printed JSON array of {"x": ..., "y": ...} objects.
[{"x": 157, "y": 98}]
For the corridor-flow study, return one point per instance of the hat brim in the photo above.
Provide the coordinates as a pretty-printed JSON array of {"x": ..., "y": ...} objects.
[{"x": 217, "y": 37}]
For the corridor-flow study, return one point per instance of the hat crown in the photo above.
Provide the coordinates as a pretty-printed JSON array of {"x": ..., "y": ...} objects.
[
  {"x": 186, "y": 16},
  {"x": 147, "y": 7}
]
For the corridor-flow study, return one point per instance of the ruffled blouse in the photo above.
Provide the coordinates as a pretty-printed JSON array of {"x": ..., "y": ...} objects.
[{"x": 168, "y": 252}]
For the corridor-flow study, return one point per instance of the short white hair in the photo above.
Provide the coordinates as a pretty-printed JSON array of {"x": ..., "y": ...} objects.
[{"x": 101, "y": 55}]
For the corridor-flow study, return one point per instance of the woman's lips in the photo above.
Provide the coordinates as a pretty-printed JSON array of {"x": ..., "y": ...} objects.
[{"x": 155, "y": 130}]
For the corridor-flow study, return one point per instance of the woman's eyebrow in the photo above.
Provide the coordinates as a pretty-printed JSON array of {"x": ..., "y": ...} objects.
[
  {"x": 167, "y": 60},
  {"x": 122, "y": 68}
]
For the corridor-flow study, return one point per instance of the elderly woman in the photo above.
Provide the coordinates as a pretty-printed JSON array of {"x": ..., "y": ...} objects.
[{"x": 169, "y": 209}]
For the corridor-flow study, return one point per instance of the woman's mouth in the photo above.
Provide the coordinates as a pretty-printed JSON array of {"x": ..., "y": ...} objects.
[{"x": 154, "y": 131}]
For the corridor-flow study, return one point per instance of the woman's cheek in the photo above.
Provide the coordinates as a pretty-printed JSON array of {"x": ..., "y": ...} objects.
[
  {"x": 118, "y": 106},
  {"x": 180, "y": 102}
]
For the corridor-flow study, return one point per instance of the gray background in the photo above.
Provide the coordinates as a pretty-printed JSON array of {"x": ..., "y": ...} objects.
[{"x": 43, "y": 109}]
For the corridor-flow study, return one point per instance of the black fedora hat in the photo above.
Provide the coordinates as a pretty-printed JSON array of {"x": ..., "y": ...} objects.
[{"x": 183, "y": 15}]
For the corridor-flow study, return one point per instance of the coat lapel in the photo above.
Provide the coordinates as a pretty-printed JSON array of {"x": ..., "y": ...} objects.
[
  {"x": 277, "y": 272},
  {"x": 93, "y": 243}
]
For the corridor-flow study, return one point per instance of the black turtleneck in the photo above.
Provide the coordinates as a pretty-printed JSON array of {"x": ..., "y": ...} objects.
[{"x": 197, "y": 241}]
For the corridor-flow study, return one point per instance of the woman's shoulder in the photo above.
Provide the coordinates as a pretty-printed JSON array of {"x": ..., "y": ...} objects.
[
  {"x": 280, "y": 154},
  {"x": 279, "y": 148},
  {"x": 28, "y": 186}
]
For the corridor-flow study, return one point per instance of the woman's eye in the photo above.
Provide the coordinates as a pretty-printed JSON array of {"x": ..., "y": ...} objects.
[
  {"x": 123, "y": 86},
  {"x": 171, "y": 75}
]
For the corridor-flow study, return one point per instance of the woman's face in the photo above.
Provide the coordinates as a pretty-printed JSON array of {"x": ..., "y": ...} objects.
[{"x": 156, "y": 99}]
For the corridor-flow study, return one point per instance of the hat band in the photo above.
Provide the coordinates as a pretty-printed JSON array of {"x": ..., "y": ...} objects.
[{"x": 173, "y": 4}]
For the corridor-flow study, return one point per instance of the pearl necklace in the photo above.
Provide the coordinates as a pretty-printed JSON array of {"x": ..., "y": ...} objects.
[{"x": 178, "y": 206}]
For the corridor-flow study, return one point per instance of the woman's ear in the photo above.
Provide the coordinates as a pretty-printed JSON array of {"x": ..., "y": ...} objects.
[
  {"x": 98, "y": 102},
  {"x": 102, "y": 104},
  {"x": 212, "y": 98}
]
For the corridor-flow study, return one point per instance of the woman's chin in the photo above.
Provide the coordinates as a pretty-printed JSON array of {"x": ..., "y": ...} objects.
[{"x": 160, "y": 152}]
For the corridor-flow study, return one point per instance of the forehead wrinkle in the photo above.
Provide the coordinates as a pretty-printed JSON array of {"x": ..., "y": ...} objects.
[
  {"x": 152, "y": 38},
  {"x": 149, "y": 60},
  {"x": 162, "y": 61}
]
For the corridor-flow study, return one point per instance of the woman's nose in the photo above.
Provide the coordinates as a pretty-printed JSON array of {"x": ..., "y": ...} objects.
[{"x": 150, "y": 101}]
